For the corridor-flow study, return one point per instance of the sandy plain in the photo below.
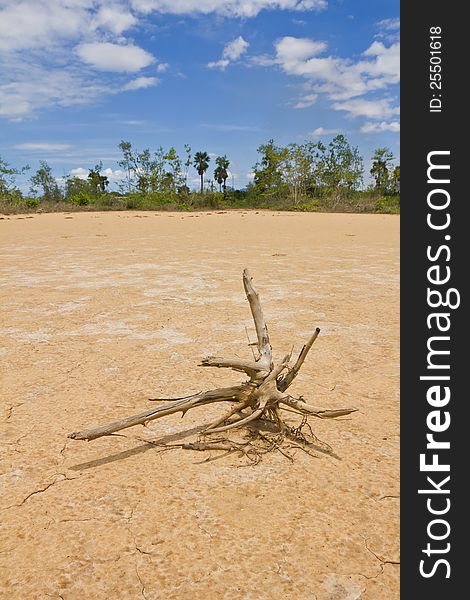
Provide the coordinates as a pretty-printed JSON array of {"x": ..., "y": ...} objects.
[{"x": 101, "y": 311}]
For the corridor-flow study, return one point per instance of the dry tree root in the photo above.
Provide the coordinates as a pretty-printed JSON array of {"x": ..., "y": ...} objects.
[{"x": 255, "y": 403}]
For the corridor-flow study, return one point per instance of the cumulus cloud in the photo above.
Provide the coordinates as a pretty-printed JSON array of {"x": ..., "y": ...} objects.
[
  {"x": 221, "y": 64},
  {"x": 339, "y": 78},
  {"x": 141, "y": 83},
  {"x": 381, "y": 127},
  {"x": 30, "y": 87},
  {"x": 345, "y": 82},
  {"x": 44, "y": 45},
  {"x": 227, "y": 8},
  {"x": 79, "y": 172},
  {"x": 115, "y": 18},
  {"x": 389, "y": 30},
  {"x": 231, "y": 52},
  {"x": 106, "y": 56},
  {"x": 321, "y": 131},
  {"x": 113, "y": 175},
  {"x": 235, "y": 49},
  {"x": 296, "y": 55},
  {"x": 46, "y": 23},
  {"x": 372, "y": 109}
]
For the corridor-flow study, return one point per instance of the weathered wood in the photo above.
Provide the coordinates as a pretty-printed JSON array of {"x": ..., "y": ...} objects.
[
  {"x": 285, "y": 381},
  {"x": 254, "y": 415},
  {"x": 264, "y": 345},
  {"x": 322, "y": 413},
  {"x": 183, "y": 405},
  {"x": 250, "y": 367},
  {"x": 257, "y": 400}
]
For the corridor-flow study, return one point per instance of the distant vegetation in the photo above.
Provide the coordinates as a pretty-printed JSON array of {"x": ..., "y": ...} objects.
[{"x": 302, "y": 177}]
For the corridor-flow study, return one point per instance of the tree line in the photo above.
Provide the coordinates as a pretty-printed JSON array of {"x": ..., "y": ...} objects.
[{"x": 310, "y": 174}]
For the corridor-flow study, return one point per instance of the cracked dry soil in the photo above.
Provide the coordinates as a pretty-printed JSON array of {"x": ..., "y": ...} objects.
[{"x": 102, "y": 311}]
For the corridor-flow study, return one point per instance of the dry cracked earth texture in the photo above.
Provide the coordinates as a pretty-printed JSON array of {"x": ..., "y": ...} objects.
[{"x": 101, "y": 311}]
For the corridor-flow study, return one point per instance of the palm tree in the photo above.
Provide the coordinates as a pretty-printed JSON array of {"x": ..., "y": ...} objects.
[
  {"x": 223, "y": 164},
  {"x": 219, "y": 177},
  {"x": 201, "y": 163}
]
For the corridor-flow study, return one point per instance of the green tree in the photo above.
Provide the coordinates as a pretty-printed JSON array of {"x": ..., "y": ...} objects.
[
  {"x": 201, "y": 163},
  {"x": 8, "y": 175},
  {"x": 268, "y": 171},
  {"x": 144, "y": 167},
  {"x": 98, "y": 182},
  {"x": 221, "y": 171},
  {"x": 44, "y": 179},
  {"x": 395, "y": 181},
  {"x": 297, "y": 168},
  {"x": 219, "y": 177},
  {"x": 382, "y": 160},
  {"x": 127, "y": 163},
  {"x": 187, "y": 162},
  {"x": 174, "y": 175},
  {"x": 75, "y": 186},
  {"x": 339, "y": 166}
]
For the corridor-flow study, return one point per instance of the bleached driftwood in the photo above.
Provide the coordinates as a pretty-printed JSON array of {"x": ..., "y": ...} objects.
[{"x": 260, "y": 399}]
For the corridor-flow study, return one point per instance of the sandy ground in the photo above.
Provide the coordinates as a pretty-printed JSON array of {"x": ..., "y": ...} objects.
[{"x": 102, "y": 311}]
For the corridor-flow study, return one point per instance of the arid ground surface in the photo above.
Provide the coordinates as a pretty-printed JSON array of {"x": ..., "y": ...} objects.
[{"x": 101, "y": 311}]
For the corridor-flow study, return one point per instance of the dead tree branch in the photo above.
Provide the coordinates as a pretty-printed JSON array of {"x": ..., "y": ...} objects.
[{"x": 261, "y": 399}]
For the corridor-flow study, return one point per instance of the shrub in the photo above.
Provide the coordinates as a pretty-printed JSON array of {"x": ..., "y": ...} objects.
[
  {"x": 311, "y": 205},
  {"x": 30, "y": 202},
  {"x": 388, "y": 204},
  {"x": 81, "y": 199},
  {"x": 207, "y": 200}
]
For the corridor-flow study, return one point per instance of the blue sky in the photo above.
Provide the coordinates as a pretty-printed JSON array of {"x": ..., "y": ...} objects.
[{"x": 78, "y": 76}]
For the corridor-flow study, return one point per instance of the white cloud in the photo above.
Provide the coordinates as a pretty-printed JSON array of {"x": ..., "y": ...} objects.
[
  {"x": 235, "y": 49},
  {"x": 381, "y": 127},
  {"x": 339, "y": 78},
  {"x": 294, "y": 54},
  {"x": 113, "y": 175},
  {"x": 262, "y": 60},
  {"x": 30, "y": 87},
  {"x": 28, "y": 24},
  {"x": 321, "y": 131},
  {"x": 105, "y": 56},
  {"x": 115, "y": 18},
  {"x": 42, "y": 146},
  {"x": 133, "y": 122},
  {"x": 228, "y": 8},
  {"x": 342, "y": 80},
  {"x": 44, "y": 24},
  {"x": 39, "y": 66},
  {"x": 37, "y": 37},
  {"x": 231, "y": 52},
  {"x": 141, "y": 83},
  {"x": 386, "y": 63},
  {"x": 222, "y": 64},
  {"x": 80, "y": 172},
  {"x": 306, "y": 101},
  {"x": 372, "y": 109},
  {"x": 389, "y": 24},
  {"x": 389, "y": 30}
]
